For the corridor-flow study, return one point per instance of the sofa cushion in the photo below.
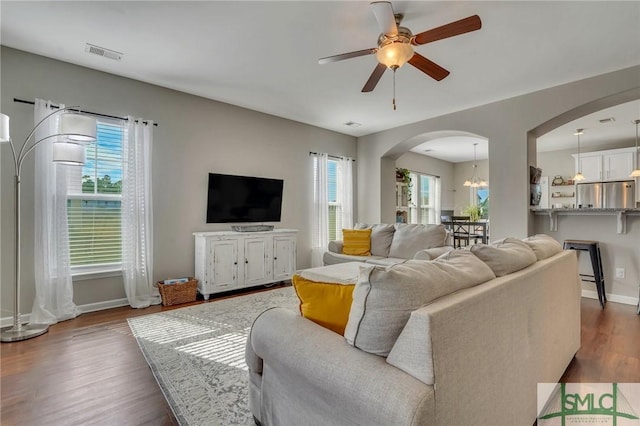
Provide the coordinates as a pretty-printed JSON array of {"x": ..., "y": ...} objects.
[
  {"x": 356, "y": 242},
  {"x": 330, "y": 258},
  {"x": 326, "y": 304},
  {"x": 543, "y": 245},
  {"x": 505, "y": 256},
  {"x": 408, "y": 239},
  {"x": 381, "y": 237},
  {"x": 432, "y": 253},
  {"x": 384, "y": 298}
]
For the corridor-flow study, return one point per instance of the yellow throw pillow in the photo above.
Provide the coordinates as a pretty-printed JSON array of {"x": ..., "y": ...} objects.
[
  {"x": 356, "y": 242},
  {"x": 326, "y": 304}
]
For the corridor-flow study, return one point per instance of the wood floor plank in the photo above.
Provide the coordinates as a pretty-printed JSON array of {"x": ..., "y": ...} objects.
[{"x": 90, "y": 370}]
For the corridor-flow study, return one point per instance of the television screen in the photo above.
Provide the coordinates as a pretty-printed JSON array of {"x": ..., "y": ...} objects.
[{"x": 243, "y": 199}]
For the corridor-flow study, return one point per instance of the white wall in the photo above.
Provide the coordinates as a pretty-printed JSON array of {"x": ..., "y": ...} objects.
[
  {"x": 506, "y": 125},
  {"x": 195, "y": 136},
  {"x": 435, "y": 167}
]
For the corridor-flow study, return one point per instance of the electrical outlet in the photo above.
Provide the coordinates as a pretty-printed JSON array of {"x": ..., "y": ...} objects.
[{"x": 619, "y": 272}]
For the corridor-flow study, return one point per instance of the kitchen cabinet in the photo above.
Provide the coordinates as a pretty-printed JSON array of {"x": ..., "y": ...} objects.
[
  {"x": 228, "y": 260},
  {"x": 609, "y": 165}
]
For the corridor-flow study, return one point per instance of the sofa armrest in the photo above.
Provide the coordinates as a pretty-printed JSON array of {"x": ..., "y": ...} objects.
[
  {"x": 335, "y": 246},
  {"x": 312, "y": 376}
]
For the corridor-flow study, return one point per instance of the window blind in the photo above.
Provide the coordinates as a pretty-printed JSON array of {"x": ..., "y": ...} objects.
[{"x": 94, "y": 200}]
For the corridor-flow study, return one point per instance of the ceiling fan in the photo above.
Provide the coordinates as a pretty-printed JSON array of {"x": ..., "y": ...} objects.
[{"x": 395, "y": 45}]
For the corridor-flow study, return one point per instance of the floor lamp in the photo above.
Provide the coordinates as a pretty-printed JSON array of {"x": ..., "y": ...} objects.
[{"x": 75, "y": 130}]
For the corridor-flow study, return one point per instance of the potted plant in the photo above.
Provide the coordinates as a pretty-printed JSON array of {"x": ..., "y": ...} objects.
[{"x": 474, "y": 212}]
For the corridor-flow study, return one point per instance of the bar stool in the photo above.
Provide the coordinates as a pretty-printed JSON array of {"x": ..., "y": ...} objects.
[{"x": 596, "y": 264}]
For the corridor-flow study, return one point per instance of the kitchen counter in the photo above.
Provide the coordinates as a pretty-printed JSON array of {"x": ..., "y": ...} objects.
[{"x": 620, "y": 213}]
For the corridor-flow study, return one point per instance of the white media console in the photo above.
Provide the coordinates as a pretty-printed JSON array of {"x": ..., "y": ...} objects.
[{"x": 229, "y": 260}]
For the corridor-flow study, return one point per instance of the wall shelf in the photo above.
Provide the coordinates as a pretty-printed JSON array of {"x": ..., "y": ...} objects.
[{"x": 566, "y": 195}]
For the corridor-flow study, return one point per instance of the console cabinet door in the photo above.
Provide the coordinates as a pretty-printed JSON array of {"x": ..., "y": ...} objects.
[
  {"x": 222, "y": 273},
  {"x": 257, "y": 268},
  {"x": 284, "y": 257}
]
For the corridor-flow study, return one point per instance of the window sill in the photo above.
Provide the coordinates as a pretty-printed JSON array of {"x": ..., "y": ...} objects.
[{"x": 84, "y": 274}]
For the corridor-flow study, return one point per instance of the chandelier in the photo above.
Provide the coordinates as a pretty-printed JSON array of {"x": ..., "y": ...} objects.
[{"x": 475, "y": 181}]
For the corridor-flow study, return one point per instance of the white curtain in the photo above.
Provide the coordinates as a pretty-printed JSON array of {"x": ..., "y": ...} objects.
[
  {"x": 345, "y": 192},
  {"x": 320, "y": 214},
  {"x": 437, "y": 198},
  {"x": 137, "y": 217},
  {"x": 54, "y": 288}
]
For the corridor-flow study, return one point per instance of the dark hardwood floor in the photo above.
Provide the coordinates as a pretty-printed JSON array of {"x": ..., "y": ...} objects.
[{"x": 90, "y": 371}]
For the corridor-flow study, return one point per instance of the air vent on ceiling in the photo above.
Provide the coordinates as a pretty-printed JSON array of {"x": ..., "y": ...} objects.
[
  {"x": 352, "y": 124},
  {"x": 607, "y": 120},
  {"x": 101, "y": 51}
]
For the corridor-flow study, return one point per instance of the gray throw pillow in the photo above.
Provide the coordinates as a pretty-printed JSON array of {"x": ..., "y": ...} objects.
[
  {"x": 505, "y": 256},
  {"x": 411, "y": 238},
  {"x": 381, "y": 237},
  {"x": 543, "y": 245},
  {"x": 384, "y": 297}
]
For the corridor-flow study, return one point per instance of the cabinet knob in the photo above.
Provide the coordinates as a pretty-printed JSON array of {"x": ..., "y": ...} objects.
[
  {"x": 275, "y": 258},
  {"x": 235, "y": 263},
  {"x": 246, "y": 261}
]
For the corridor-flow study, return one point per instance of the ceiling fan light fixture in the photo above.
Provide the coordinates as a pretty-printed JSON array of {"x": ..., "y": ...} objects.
[{"x": 394, "y": 54}]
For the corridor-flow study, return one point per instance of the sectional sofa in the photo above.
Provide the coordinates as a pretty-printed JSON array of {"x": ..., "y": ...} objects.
[{"x": 461, "y": 340}]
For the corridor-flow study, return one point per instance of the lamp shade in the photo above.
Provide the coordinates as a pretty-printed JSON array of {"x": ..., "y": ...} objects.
[
  {"x": 78, "y": 127},
  {"x": 4, "y": 128},
  {"x": 394, "y": 54},
  {"x": 68, "y": 153}
]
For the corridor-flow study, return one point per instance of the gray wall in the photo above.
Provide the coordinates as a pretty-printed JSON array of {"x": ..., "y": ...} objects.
[
  {"x": 506, "y": 125},
  {"x": 195, "y": 136}
]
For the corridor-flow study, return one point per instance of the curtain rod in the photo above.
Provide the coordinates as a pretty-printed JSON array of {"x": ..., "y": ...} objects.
[
  {"x": 85, "y": 112},
  {"x": 329, "y": 155}
]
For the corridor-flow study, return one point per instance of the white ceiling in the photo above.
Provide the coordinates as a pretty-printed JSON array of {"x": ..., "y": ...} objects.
[{"x": 263, "y": 55}]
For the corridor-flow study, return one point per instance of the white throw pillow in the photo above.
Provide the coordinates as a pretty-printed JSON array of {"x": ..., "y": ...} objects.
[
  {"x": 505, "y": 256},
  {"x": 384, "y": 297}
]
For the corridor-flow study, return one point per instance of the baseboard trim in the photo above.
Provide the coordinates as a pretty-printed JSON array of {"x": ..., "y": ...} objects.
[
  {"x": 626, "y": 300},
  {"x": 89, "y": 307}
]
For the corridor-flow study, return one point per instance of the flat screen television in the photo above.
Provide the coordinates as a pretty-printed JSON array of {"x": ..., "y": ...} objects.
[{"x": 237, "y": 199}]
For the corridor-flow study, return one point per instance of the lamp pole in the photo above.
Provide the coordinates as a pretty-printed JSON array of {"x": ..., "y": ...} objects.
[{"x": 21, "y": 331}]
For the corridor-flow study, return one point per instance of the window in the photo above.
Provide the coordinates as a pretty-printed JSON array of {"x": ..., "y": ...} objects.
[
  {"x": 94, "y": 203},
  {"x": 480, "y": 197},
  {"x": 335, "y": 207},
  {"x": 425, "y": 199}
]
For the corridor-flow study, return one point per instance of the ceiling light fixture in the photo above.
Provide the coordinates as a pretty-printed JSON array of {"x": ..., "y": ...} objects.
[
  {"x": 395, "y": 53},
  {"x": 636, "y": 171},
  {"x": 579, "y": 176},
  {"x": 475, "y": 182}
]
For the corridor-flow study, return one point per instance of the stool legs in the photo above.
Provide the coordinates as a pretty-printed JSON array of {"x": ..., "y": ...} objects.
[{"x": 593, "y": 248}]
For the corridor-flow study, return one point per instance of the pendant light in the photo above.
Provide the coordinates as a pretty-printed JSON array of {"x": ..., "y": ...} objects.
[
  {"x": 578, "y": 177},
  {"x": 636, "y": 171},
  {"x": 475, "y": 182}
]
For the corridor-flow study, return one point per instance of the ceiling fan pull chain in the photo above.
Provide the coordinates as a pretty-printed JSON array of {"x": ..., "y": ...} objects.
[{"x": 394, "y": 89}]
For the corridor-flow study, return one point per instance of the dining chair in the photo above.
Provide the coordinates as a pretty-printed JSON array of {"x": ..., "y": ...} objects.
[{"x": 461, "y": 226}]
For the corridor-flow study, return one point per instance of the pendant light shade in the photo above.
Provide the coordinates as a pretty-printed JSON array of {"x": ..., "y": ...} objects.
[
  {"x": 4, "y": 128},
  {"x": 68, "y": 153},
  {"x": 636, "y": 171},
  {"x": 579, "y": 176},
  {"x": 78, "y": 127}
]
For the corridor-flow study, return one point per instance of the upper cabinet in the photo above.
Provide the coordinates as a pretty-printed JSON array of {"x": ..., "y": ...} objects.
[{"x": 610, "y": 165}]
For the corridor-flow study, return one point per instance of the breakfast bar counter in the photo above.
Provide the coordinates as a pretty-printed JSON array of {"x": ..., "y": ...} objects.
[{"x": 621, "y": 214}]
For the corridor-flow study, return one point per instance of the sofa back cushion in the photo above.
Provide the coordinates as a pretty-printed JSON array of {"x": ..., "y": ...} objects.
[
  {"x": 408, "y": 239},
  {"x": 505, "y": 256},
  {"x": 381, "y": 237},
  {"x": 543, "y": 245},
  {"x": 384, "y": 298},
  {"x": 356, "y": 242}
]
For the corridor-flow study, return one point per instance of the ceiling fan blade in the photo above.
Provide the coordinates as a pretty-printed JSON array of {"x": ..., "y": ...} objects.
[
  {"x": 375, "y": 77},
  {"x": 385, "y": 17},
  {"x": 428, "y": 67},
  {"x": 344, "y": 56},
  {"x": 462, "y": 26}
]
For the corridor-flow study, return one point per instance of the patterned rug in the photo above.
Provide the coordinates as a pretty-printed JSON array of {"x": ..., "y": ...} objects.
[{"x": 197, "y": 355}]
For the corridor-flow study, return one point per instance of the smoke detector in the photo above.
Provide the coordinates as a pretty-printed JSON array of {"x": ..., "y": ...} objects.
[{"x": 101, "y": 51}]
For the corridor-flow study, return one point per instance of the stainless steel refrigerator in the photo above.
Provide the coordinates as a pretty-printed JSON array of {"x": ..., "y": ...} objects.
[{"x": 606, "y": 195}]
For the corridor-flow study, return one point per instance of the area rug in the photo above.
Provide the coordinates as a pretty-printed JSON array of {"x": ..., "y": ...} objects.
[{"x": 197, "y": 355}]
